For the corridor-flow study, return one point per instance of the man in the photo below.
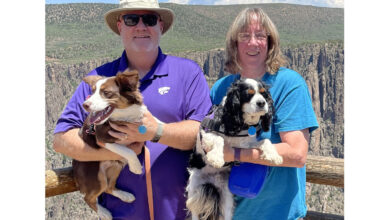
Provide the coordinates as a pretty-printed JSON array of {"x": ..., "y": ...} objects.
[{"x": 175, "y": 91}]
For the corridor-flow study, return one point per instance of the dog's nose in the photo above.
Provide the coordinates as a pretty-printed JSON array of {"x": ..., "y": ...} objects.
[
  {"x": 260, "y": 103},
  {"x": 86, "y": 106}
]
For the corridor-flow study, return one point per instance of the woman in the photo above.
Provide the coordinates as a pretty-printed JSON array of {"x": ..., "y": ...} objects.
[{"x": 252, "y": 48}]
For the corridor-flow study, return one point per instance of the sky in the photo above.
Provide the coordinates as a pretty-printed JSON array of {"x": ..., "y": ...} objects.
[{"x": 319, "y": 3}]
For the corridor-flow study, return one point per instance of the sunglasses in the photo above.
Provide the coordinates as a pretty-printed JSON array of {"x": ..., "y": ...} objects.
[{"x": 133, "y": 19}]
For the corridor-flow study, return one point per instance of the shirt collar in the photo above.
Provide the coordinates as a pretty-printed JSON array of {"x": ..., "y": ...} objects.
[
  {"x": 123, "y": 64},
  {"x": 265, "y": 76}
]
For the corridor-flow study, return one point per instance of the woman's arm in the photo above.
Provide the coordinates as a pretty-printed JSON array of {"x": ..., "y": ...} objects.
[{"x": 293, "y": 149}]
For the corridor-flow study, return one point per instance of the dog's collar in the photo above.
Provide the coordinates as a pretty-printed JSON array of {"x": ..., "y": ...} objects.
[
  {"x": 209, "y": 124},
  {"x": 91, "y": 129}
]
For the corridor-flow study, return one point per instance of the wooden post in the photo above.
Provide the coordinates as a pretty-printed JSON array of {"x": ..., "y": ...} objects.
[
  {"x": 59, "y": 181},
  {"x": 319, "y": 170},
  {"x": 325, "y": 170},
  {"x": 322, "y": 216}
]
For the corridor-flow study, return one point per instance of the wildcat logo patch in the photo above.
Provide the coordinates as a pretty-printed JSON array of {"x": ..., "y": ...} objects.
[{"x": 164, "y": 90}]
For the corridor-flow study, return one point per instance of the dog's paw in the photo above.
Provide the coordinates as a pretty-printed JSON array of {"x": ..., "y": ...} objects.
[
  {"x": 276, "y": 159},
  {"x": 270, "y": 153},
  {"x": 208, "y": 141},
  {"x": 215, "y": 160},
  {"x": 103, "y": 213},
  {"x": 135, "y": 167},
  {"x": 213, "y": 145},
  {"x": 128, "y": 198},
  {"x": 105, "y": 216},
  {"x": 124, "y": 196}
]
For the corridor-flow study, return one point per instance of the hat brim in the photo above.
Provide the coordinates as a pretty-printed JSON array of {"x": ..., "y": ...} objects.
[{"x": 166, "y": 15}]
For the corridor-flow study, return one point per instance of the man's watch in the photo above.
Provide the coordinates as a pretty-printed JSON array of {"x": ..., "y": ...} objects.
[{"x": 158, "y": 134}]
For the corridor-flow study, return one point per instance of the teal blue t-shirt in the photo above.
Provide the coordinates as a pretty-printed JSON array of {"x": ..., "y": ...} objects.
[{"x": 283, "y": 193}]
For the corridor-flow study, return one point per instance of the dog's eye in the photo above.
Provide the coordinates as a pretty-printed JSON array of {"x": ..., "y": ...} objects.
[
  {"x": 251, "y": 91},
  {"x": 261, "y": 90},
  {"x": 107, "y": 94}
]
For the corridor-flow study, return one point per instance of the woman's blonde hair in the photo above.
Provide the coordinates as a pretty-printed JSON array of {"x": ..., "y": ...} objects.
[{"x": 275, "y": 58}]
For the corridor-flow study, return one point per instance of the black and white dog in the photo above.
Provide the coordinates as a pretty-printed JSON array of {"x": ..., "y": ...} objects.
[{"x": 247, "y": 103}]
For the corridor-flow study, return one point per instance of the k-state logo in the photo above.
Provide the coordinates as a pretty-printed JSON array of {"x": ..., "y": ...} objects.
[{"x": 164, "y": 90}]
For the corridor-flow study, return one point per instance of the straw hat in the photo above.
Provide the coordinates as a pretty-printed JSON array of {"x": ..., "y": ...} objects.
[{"x": 111, "y": 17}]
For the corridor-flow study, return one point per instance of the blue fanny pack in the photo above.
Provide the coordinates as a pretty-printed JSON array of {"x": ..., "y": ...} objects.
[{"x": 247, "y": 179}]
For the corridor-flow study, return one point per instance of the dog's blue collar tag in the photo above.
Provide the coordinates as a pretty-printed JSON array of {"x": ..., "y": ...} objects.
[
  {"x": 142, "y": 129},
  {"x": 252, "y": 131}
]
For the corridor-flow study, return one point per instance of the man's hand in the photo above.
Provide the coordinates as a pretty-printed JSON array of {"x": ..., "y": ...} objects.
[
  {"x": 127, "y": 133},
  {"x": 136, "y": 147}
]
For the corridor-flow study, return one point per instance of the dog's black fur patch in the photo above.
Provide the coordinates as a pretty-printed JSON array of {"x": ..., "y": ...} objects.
[
  {"x": 212, "y": 194},
  {"x": 196, "y": 161}
]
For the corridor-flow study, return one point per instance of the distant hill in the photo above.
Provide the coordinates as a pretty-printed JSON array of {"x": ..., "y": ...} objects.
[{"x": 77, "y": 32}]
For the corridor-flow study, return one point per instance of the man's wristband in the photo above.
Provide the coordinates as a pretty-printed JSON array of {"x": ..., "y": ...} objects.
[{"x": 158, "y": 134}]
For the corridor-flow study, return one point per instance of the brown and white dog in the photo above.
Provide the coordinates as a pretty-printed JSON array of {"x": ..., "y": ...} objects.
[{"x": 117, "y": 99}]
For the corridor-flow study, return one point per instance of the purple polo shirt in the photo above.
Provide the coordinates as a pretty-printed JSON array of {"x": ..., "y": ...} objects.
[{"x": 175, "y": 89}]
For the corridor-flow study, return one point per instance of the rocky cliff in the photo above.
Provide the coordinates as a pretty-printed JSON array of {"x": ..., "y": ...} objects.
[{"x": 321, "y": 65}]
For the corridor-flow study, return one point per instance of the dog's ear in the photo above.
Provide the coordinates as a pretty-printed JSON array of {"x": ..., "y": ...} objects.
[
  {"x": 128, "y": 80},
  {"x": 266, "y": 122},
  {"x": 128, "y": 83},
  {"x": 91, "y": 80},
  {"x": 266, "y": 119},
  {"x": 232, "y": 101},
  {"x": 232, "y": 112}
]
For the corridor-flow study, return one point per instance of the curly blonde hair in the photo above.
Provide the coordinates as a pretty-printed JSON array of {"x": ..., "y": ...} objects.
[{"x": 275, "y": 58}]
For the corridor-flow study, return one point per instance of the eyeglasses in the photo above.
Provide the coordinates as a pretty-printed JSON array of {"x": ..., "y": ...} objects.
[
  {"x": 133, "y": 19},
  {"x": 245, "y": 37}
]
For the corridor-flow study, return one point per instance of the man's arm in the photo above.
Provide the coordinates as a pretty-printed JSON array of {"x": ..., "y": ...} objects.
[
  {"x": 180, "y": 135},
  {"x": 293, "y": 149},
  {"x": 71, "y": 144}
]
